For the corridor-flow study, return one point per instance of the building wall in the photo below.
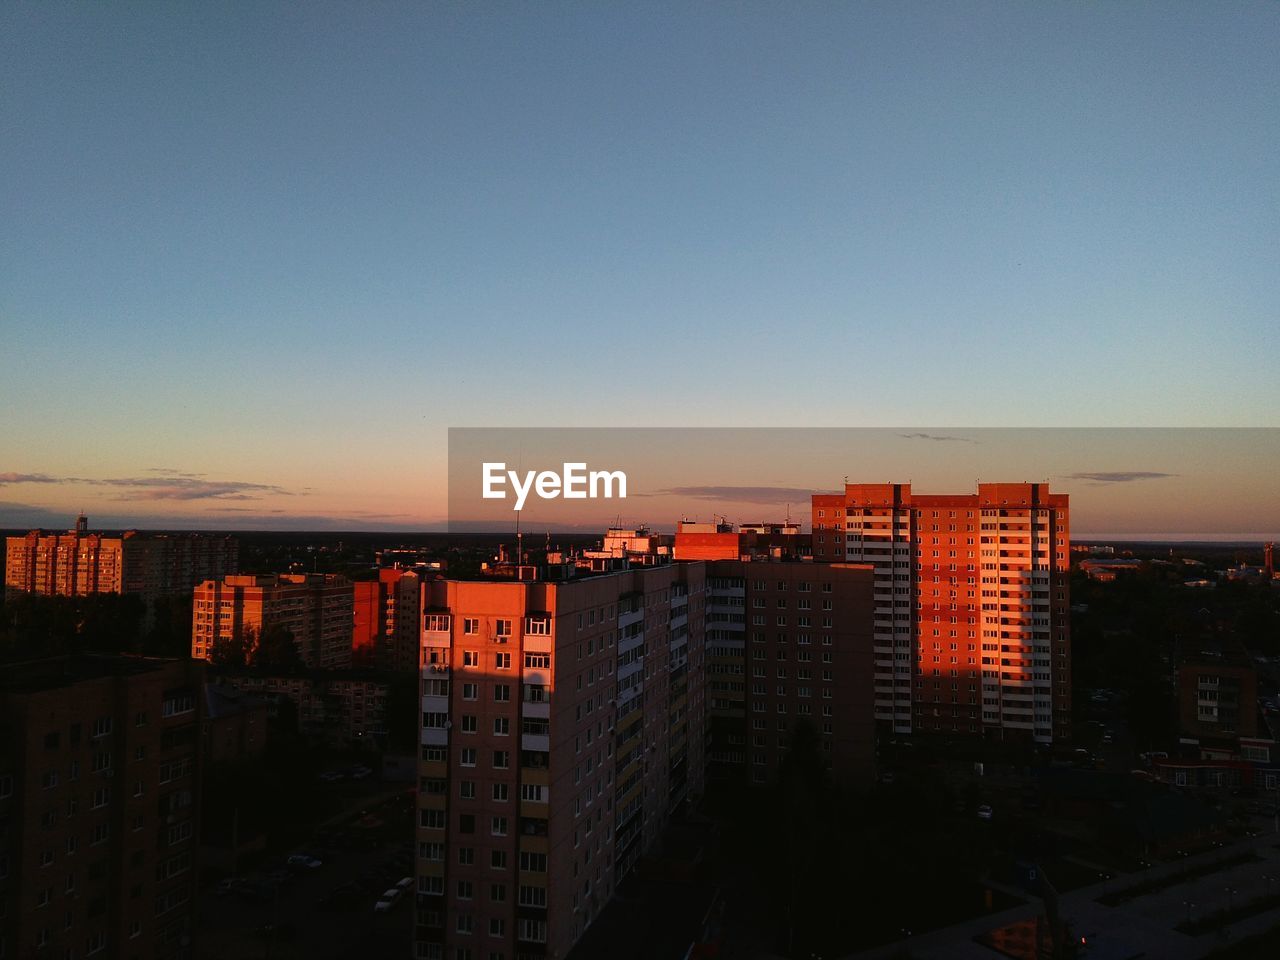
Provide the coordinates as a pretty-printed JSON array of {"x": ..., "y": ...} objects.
[
  {"x": 78, "y": 563},
  {"x": 318, "y": 609},
  {"x": 972, "y": 631},
  {"x": 99, "y": 794},
  {"x": 562, "y": 722},
  {"x": 1218, "y": 700},
  {"x": 346, "y": 709},
  {"x": 809, "y": 660}
]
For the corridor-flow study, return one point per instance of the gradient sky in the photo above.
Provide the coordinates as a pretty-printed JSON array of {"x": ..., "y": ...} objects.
[
  {"x": 256, "y": 258},
  {"x": 1196, "y": 484}
]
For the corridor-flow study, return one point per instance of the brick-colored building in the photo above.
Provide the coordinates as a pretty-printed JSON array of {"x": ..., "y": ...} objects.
[
  {"x": 99, "y": 807},
  {"x": 387, "y": 619},
  {"x": 562, "y": 723},
  {"x": 77, "y": 562},
  {"x": 806, "y": 657},
  {"x": 621, "y": 685},
  {"x": 1218, "y": 694},
  {"x": 972, "y": 629},
  {"x": 316, "y": 608}
]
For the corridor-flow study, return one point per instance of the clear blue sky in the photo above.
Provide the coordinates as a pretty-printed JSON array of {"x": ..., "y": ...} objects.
[{"x": 288, "y": 244}]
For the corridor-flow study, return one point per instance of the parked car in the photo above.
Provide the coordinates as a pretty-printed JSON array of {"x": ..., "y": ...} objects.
[
  {"x": 302, "y": 860},
  {"x": 984, "y": 811},
  {"x": 405, "y": 884},
  {"x": 329, "y": 776},
  {"x": 388, "y": 900}
]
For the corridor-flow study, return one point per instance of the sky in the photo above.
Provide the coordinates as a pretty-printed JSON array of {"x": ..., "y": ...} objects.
[
  {"x": 1198, "y": 483},
  {"x": 256, "y": 258}
]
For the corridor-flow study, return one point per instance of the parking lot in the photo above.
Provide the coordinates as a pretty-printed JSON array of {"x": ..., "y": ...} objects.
[{"x": 278, "y": 910}]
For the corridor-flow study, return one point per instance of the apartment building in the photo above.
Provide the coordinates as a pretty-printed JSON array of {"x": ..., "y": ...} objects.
[
  {"x": 316, "y": 608},
  {"x": 345, "y": 709},
  {"x": 562, "y": 722},
  {"x": 971, "y": 630},
  {"x": 387, "y": 619},
  {"x": 1218, "y": 693},
  {"x": 78, "y": 562},
  {"x": 99, "y": 796},
  {"x": 803, "y": 655}
]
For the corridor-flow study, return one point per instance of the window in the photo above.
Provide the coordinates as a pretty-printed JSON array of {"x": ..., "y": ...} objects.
[
  {"x": 502, "y": 692},
  {"x": 471, "y": 691},
  {"x": 498, "y": 859},
  {"x": 468, "y": 789},
  {"x": 469, "y": 724},
  {"x": 502, "y": 661},
  {"x": 502, "y": 628},
  {"x": 501, "y": 726},
  {"x": 500, "y": 792},
  {"x": 179, "y": 704},
  {"x": 468, "y": 758},
  {"x": 533, "y": 931},
  {"x": 471, "y": 658},
  {"x": 498, "y": 826},
  {"x": 470, "y": 626},
  {"x": 501, "y": 759},
  {"x": 533, "y": 862},
  {"x": 537, "y": 660},
  {"x": 532, "y": 896},
  {"x": 101, "y": 727}
]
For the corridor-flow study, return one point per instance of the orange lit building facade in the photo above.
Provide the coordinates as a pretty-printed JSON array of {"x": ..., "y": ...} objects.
[
  {"x": 316, "y": 608},
  {"x": 971, "y": 629},
  {"x": 562, "y": 722},
  {"x": 78, "y": 563},
  {"x": 387, "y": 619}
]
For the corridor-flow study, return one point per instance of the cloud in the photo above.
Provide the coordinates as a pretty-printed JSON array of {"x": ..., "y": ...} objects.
[
  {"x": 766, "y": 495},
  {"x": 936, "y": 436},
  {"x": 27, "y": 478},
  {"x": 1118, "y": 476},
  {"x": 164, "y": 486}
]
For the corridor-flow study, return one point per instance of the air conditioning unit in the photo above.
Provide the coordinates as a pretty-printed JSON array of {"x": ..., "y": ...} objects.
[{"x": 448, "y": 724}]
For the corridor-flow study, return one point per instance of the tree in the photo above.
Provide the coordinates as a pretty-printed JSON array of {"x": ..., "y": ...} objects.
[{"x": 276, "y": 650}]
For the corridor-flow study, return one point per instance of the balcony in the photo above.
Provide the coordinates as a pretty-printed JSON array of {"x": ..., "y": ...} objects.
[
  {"x": 434, "y": 737},
  {"x": 535, "y": 741}
]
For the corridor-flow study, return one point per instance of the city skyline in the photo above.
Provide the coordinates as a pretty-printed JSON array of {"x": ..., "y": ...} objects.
[{"x": 1135, "y": 484}]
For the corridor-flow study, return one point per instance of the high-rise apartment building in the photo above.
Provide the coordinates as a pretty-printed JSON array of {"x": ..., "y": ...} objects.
[
  {"x": 803, "y": 655},
  {"x": 387, "y": 619},
  {"x": 78, "y": 562},
  {"x": 316, "y": 608},
  {"x": 562, "y": 722},
  {"x": 971, "y": 629},
  {"x": 99, "y": 794}
]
